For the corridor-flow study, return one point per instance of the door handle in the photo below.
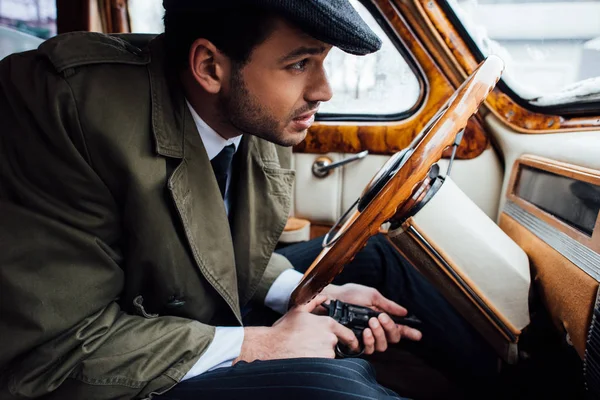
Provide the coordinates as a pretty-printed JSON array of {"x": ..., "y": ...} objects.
[{"x": 323, "y": 166}]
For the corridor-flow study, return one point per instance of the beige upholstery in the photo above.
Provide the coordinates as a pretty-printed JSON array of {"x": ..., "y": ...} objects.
[
  {"x": 484, "y": 253},
  {"x": 323, "y": 200},
  {"x": 490, "y": 264}
]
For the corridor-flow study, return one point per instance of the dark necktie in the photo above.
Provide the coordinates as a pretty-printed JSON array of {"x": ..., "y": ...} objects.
[{"x": 221, "y": 165}]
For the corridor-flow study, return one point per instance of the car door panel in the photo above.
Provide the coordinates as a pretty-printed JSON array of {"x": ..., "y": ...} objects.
[
  {"x": 555, "y": 249},
  {"x": 581, "y": 148},
  {"x": 323, "y": 200},
  {"x": 567, "y": 291}
]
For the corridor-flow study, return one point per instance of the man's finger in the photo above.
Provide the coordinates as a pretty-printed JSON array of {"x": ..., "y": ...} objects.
[
  {"x": 392, "y": 331},
  {"x": 368, "y": 341},
  {"x": 388, "y": 306},
  {"x": 346, "y": 337},
  {"x": 379, "y": 334},
  {"x": 320, "y": 310},
  {"x": 311, "y": 305},
  {"x": 410, "y": 333}
]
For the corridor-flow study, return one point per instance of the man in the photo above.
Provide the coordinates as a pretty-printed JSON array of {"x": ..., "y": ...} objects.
[{"x": 142, "y": 194}]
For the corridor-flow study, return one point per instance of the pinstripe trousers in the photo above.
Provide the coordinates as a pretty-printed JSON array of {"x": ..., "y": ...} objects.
[
  {"x": 448, "y": 343},
  {"x": 291, "y": 379}
]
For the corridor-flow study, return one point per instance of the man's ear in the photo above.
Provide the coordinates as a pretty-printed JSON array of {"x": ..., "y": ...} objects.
[{"x": 207, "y": 65}]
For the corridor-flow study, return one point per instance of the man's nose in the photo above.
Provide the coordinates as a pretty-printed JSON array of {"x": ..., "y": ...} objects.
[{"x": 319, "y": 89}]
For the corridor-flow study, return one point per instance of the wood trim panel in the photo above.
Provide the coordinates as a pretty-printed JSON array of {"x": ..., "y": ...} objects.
[
  {"x": 562, "y": 169},
  {"x": 431, "y": 39},
  {"x": 119, "y": 13},
  {"x": 390, "y": 137},
  {"x": 317, "y": 230},
  {"x": 108, "y": 16},
  {"x": 500, "y": 104},
  {"x": 115, "y": 16}
]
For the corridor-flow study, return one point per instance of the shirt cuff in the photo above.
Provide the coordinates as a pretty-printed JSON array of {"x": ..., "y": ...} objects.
[
  {"x": 225, "y": 347},
  {"x": 279, "y": 293}
]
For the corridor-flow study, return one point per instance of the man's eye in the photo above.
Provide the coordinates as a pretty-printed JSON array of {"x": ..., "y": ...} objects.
[{"x": 300, "y": 65}]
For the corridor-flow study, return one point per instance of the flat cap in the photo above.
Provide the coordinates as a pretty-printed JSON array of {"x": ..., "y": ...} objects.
[{"x": 335, "y": 22}]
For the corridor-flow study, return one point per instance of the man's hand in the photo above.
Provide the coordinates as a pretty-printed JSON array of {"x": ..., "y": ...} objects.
[
  {"x": 299, "y": 333},
  {"x": 382, "y": 329}
]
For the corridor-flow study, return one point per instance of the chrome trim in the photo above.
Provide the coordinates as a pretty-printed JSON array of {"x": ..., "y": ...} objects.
[
  {"x": 327, "y": 241},
  {"x": 591, "y": 359},
  {"x": 585, "y": 258},
  {"x": 322, "y": 168}
]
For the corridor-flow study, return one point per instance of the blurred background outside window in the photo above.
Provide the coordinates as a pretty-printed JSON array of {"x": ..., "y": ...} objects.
[
  {"x": 551, "y": 48},
  {"x": 35, "y": 17},
  {"x": 24, "y": 24}
]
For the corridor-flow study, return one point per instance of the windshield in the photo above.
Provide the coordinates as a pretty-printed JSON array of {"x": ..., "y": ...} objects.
[{"x": 551, "y": 48}]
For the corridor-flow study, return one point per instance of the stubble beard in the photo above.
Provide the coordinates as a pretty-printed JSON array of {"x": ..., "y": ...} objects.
[{"x": 245, "y": 113}]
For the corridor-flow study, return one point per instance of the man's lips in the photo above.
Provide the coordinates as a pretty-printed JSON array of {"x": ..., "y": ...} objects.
[
  {"x": 303, "y": 122},
  {"x": 306, "y": 116}
]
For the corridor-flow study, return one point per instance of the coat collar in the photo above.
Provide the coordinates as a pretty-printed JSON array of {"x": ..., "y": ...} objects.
[
  {"x": 262, "y": 194},
  {"x": 168, "y": 103}
]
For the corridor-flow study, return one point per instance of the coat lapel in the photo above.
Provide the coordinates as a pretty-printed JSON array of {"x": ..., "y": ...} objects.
[
  {"x": 192, "y": 184},
  {"x": 262, "y": 205}
]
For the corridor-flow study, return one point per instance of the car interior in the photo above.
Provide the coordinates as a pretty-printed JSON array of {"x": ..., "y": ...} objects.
[{"x": 472, "y": 140}]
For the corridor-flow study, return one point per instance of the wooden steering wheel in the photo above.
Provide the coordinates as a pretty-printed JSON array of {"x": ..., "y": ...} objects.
[{"x": 387, "y": 195}]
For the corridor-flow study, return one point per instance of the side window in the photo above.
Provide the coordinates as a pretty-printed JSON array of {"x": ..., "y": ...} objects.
[
  {"x": 146, "y": 16},
  {"x": 378, "y": 84},
  {"x": 551, "y": 48}
]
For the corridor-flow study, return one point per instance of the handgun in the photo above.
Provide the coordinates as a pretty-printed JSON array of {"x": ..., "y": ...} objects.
[{"x": 356, "y": 318}]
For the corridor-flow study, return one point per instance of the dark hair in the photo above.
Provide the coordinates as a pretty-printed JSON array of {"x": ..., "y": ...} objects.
[{"x": 234, "y": 31}]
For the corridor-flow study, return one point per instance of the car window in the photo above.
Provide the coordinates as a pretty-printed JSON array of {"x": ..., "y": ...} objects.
[
  {"x": 551, "y": 48},
  {"x": 379, "y": 84},
  {"x": 146, "y": 16},
  {"x": 13, "y": 41},
  {"x": 34, "y": 17},
  {"x": 25, "y": 23}
]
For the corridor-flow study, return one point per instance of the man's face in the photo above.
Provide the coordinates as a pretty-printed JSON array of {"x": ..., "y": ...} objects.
[{"x": 277, "y": 93}]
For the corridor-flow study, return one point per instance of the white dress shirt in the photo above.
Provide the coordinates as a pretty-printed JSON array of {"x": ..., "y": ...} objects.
[{"x": 227, "y": 343}]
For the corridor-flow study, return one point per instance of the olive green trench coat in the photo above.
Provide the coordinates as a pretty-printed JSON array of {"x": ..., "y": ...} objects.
[{"x": 117, "y": 259}]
